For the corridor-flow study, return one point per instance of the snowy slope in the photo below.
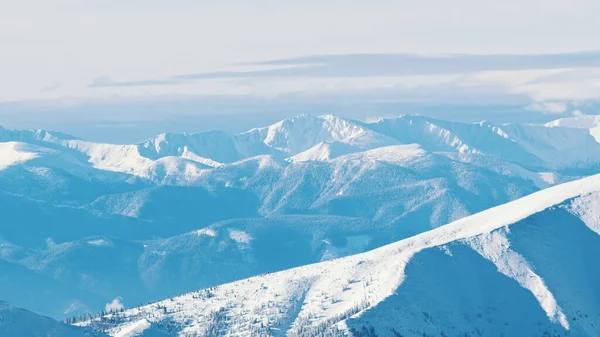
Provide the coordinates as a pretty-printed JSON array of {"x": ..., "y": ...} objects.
[
  {"x": 531, "y": 146},
  {"x": 29, "y": 155},
  {"x": 525, "y": 268},
  {"x": 580, "y": 122},
  {"x": 101, "y": 161},
  {"x": 13, "y": 153},
  {"x": 324, "y": 151},
  {"x": 589, "y": 123},
  {"x": 18, "y": 322}
]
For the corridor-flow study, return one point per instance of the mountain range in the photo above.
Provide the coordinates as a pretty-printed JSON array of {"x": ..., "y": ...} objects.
[{"x": 85, "y": 223}]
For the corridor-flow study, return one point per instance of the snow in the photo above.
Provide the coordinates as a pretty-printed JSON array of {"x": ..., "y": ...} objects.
[
  {"x": 540, "y": 179},
  {"x": 589, "y": 122},
  {"x": 239, "y": 236},
  {"x": 586, "y": 207},
  {"x": 13, "y": 153},
  {"x": 396, "y": 154},
  {"x": 525, "y": 145},
  {"x": 187, "y": 154},
  {"x": 33, "y": 156},
  {"x": 100, "y": 242},
  {"x": 548, "y": 177},
  {"x": 315, "y": 294},
  {"x": 495, "y": 247},
  {"x": 207, "y": 232},
  {"x": 298, "y": 134},
  {"x": 324, "y": 151},
  {"x": 580, "y": 122},
  {"x": 354, "y": 243},
  {"x": 134, "y": 329}
]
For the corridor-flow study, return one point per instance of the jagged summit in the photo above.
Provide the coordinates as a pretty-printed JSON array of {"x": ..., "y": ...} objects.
[{"x": 298, "y": 134}]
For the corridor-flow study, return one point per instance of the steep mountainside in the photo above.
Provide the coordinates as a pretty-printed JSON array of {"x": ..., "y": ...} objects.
[{"x": 525, "y": 268}]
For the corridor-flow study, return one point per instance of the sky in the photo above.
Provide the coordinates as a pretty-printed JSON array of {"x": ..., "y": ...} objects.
[{"x": 121, "y": 70}]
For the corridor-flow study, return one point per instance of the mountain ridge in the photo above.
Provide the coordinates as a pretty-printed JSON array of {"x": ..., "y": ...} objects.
[
  {"x": 292, "y": 136},
  {"x": 336, "y": 293}
]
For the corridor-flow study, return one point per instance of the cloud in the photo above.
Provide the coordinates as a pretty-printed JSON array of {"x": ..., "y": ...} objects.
[
  {"x": 393, "y": 65},
  {"x": 50, "y": 87},
  {"x": 549, "y": 107},
  {"x": 367, "y": 40},
  {"x": 377, "y": 65},
  {"x": 104, "y": 81},
  {"x": 115, "y": 305}
]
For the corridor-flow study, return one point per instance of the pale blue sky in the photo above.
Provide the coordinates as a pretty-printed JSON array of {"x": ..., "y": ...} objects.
[{"x": 67, "y": 57}]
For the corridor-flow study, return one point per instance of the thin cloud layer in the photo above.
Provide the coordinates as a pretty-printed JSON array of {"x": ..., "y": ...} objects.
[
  {"x": 543, "y": 82},
  {"x": 381, "y": 65}
]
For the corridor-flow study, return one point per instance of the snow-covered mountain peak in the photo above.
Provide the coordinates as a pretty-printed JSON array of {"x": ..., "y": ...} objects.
[
  {"x": 298, "y": 134},
  {"x": 581, "y": 122}
]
